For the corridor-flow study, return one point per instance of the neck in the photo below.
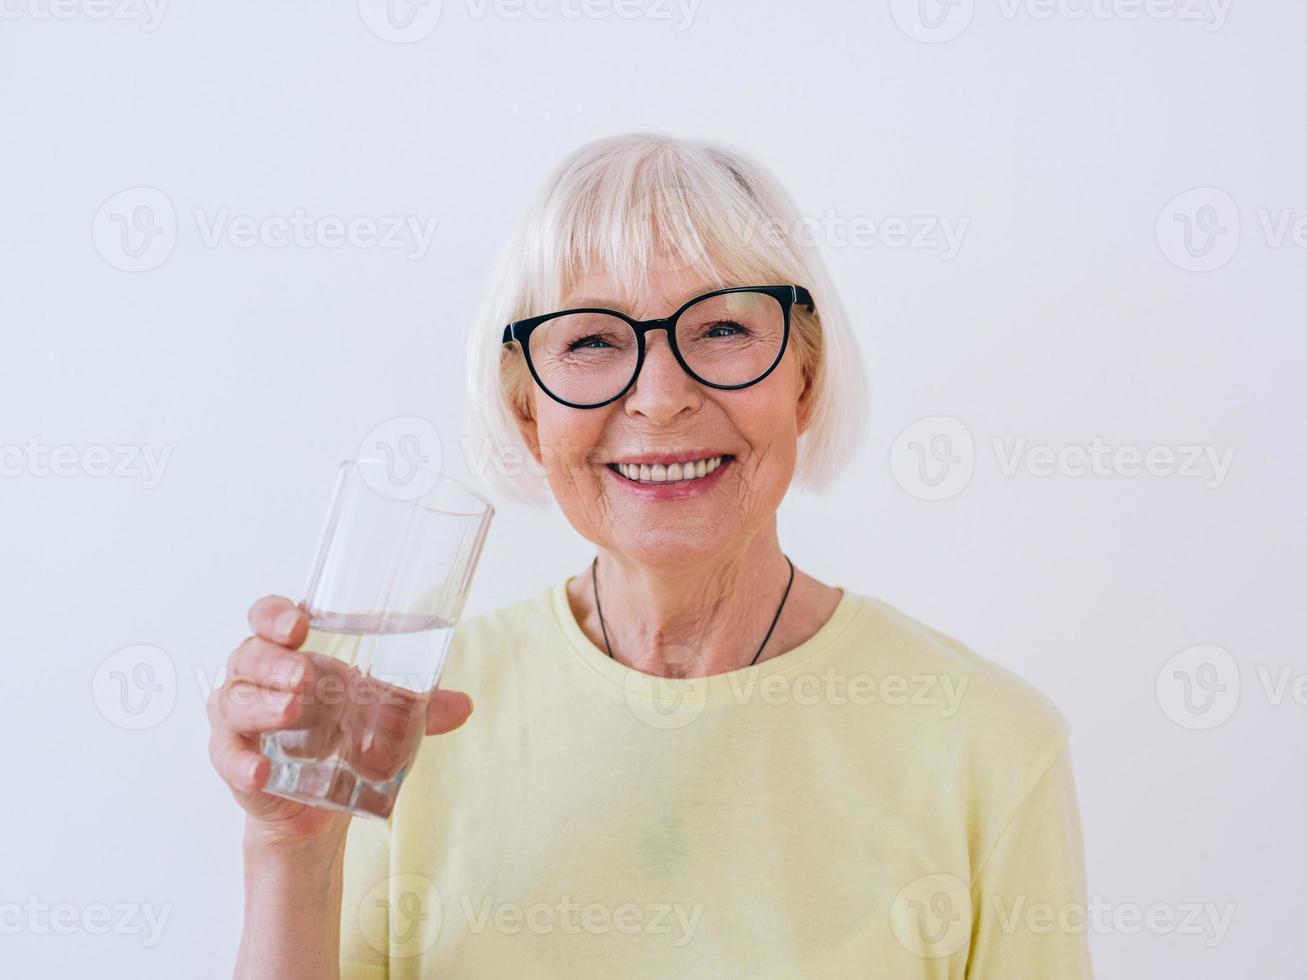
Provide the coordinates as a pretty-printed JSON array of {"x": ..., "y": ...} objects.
[{"x": 689, "y": 619}]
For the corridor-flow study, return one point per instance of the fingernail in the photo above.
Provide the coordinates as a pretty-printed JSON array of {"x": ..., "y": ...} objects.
[
  {"x": 287, "y": 622},
  {"x": 470, "y": 705}
]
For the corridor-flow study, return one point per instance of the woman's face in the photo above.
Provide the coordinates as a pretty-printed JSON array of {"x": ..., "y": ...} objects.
[{"x": 668, "y": 416}]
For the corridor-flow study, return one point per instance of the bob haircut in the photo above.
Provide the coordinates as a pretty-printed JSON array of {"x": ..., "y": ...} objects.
[{"x": 641, "y": 202}]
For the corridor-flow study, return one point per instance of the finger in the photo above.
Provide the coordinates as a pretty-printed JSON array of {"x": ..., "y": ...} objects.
[
  {"x": 386, "y": 725},
  {"x": 446, "y": 711},
  {"x": 270, "y": 664},
  {"x": 237, "y": 761},
  {"x": 249, "y": 709},
  {"x": 278, "y": 619}
]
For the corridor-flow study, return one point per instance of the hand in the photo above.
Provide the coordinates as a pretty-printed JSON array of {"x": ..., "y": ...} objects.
[{"x": 265, "y": 690}]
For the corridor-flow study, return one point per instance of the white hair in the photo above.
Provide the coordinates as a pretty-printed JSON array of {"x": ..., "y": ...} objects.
[{"x": 619, "y": 203}]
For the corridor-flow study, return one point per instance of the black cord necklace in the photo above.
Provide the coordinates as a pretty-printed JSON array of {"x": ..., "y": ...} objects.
[{"x": 594, "y": 579}]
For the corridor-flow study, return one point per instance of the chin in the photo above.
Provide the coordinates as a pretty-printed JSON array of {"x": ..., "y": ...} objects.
[{"x": 661, "y": 546}]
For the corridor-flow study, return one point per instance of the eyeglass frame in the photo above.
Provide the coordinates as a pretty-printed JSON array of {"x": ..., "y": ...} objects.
[{"x": 786, "y": 296}]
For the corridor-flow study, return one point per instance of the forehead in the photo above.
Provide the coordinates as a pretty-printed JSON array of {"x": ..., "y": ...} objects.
[{"x": 660, "y": 294}]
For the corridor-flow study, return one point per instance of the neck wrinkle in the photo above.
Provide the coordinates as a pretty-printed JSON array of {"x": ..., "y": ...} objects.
[{"x": 694, "y": 620}]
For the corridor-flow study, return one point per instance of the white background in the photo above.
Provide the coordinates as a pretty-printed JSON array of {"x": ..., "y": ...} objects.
[{"x": 1068, "y": 314}]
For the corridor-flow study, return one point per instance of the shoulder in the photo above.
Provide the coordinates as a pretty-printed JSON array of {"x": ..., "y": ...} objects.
[
  {"x": 975, "y": 739},
  {"x": 975, "y": 700}
]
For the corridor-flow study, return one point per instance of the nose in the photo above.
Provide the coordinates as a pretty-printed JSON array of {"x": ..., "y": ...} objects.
[{"x": 663, "y": 390}]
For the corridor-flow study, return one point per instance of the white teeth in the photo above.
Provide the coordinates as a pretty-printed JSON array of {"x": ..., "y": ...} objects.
[{"x": 671, "y": 473}]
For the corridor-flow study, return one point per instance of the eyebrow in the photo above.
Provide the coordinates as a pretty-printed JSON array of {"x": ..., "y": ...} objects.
[
  {"x": 606, "y": 304},
  {"x": 590, "y": 301}
]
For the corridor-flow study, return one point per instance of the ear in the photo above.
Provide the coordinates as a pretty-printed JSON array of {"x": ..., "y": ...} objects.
[
  {"x": 804, "y": 406},
  {"x": 524, "y": 416}
]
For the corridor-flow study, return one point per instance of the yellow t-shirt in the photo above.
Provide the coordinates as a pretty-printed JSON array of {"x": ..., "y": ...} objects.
[{"x": 877, "y": 802}]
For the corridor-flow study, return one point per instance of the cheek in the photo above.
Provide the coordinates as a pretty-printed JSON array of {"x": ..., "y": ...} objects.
[
  {"x": 567, "y": 437},
  {"x": 767, "y": 418}
]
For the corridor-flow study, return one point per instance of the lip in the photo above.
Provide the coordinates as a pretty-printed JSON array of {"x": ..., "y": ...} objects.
[{"x": 680, "y": 490}]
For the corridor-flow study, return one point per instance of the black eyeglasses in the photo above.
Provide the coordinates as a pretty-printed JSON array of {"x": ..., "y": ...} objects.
[{"x": 729, "y": 338}]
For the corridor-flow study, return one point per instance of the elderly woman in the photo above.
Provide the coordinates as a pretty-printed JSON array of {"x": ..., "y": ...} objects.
[{"x": 690, "y": 758}]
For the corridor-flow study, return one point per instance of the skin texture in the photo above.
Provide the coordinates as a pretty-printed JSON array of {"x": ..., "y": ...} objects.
[{"x": 688, "y": 586}]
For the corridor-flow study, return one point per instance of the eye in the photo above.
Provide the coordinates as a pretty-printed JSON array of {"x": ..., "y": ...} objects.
[
  {"x": 593, "y": 341},
  {"x": 724, "y": 328}
]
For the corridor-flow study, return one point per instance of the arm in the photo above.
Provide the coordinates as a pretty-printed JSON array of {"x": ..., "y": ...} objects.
[
  {"x": 1028, "y": 895},
  {"x": 292, "y": 909}
]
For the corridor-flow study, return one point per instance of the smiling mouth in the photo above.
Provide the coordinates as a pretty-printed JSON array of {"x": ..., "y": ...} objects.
[{"x": 671, "y": 473}]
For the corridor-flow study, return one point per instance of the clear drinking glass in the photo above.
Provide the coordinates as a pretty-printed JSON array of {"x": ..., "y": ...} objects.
[{"x": 387, "y": 587}]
